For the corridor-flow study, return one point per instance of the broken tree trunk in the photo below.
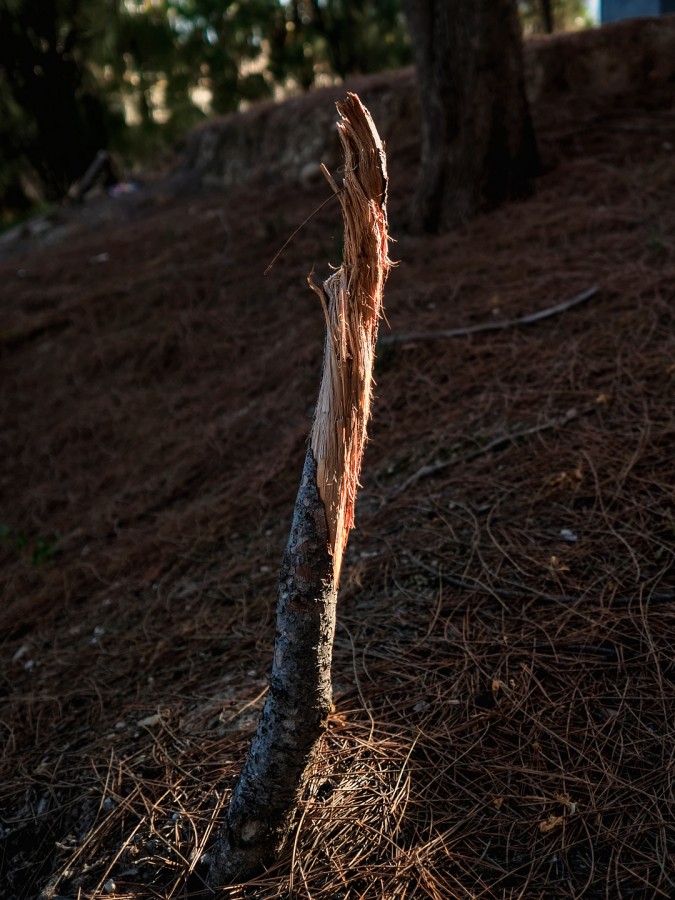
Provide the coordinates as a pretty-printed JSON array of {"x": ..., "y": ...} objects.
[{"x": 299, "y": 700}]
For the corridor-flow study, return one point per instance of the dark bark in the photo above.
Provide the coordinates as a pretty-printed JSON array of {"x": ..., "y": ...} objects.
[
  {"x": 65, "y": 125},
  {"x": 478, "y": 143},
  {"x": 299, "y": 698},
  {"x": 547, "y": 16}
]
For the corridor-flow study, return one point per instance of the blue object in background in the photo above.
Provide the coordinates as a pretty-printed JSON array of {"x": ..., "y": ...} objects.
[{"x": 613, "y": 10}]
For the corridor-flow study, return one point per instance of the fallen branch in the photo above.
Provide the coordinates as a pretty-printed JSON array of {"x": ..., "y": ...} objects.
[
  {"x": 498, "y": 443},
  {"x": 529, "y": 319}
]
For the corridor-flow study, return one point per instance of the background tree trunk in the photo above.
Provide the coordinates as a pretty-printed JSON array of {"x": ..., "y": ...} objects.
[
  {"x": 64, "y": 125},
  {"x": 299, "y": 699},
  {"x": 547, "y": 16},
  {"x": 478, "y": 143}
]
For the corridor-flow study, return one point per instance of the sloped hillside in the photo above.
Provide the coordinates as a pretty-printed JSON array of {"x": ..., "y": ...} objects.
[{"x": 504, "y": 661}]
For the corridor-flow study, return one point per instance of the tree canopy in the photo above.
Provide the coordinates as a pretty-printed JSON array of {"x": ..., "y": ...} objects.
[{"x": 77, "y": 76}]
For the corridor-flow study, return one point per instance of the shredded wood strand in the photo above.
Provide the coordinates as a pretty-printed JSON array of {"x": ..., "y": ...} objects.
[{"x": 353, "y": 297}]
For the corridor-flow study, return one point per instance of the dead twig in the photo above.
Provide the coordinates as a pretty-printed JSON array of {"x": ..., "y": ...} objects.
[
  {"x": 529, "y": 319},
  {"x": 498, "y": 443}
]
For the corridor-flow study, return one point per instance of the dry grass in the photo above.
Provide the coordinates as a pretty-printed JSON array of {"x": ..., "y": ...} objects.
[{"x": 504, "y": 661}]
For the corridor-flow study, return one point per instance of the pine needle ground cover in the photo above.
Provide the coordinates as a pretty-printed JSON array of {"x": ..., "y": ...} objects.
[{"x": 504, "y": 662}]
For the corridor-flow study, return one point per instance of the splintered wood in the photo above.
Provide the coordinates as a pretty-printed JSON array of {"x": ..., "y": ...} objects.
[{"x": 352, "y": 299}]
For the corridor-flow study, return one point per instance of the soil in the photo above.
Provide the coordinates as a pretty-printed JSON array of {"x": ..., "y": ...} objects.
[{"x": 504, "y": 663}]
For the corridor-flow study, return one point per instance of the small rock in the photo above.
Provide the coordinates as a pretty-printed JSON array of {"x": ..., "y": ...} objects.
[
  {"x": 109, "y": 886},
  {"x": 39, "y": 227},
  {"x": 150, "y": 721},
  {"x": 22, "y": 651}
]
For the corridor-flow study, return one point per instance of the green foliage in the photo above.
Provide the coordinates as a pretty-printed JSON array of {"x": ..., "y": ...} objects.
[
  {"x": 566, "y": 14},
  {"x": 219, "y": 42},
  {"x": 338, "y": 37},
  {"x": 37, "y": 549},
  {"x": 77, "y": 76},
  {"x": 48, "y": 99}
]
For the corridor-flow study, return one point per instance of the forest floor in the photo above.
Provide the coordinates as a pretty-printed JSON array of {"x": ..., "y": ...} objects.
[{"x": 504, "y": 670}]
